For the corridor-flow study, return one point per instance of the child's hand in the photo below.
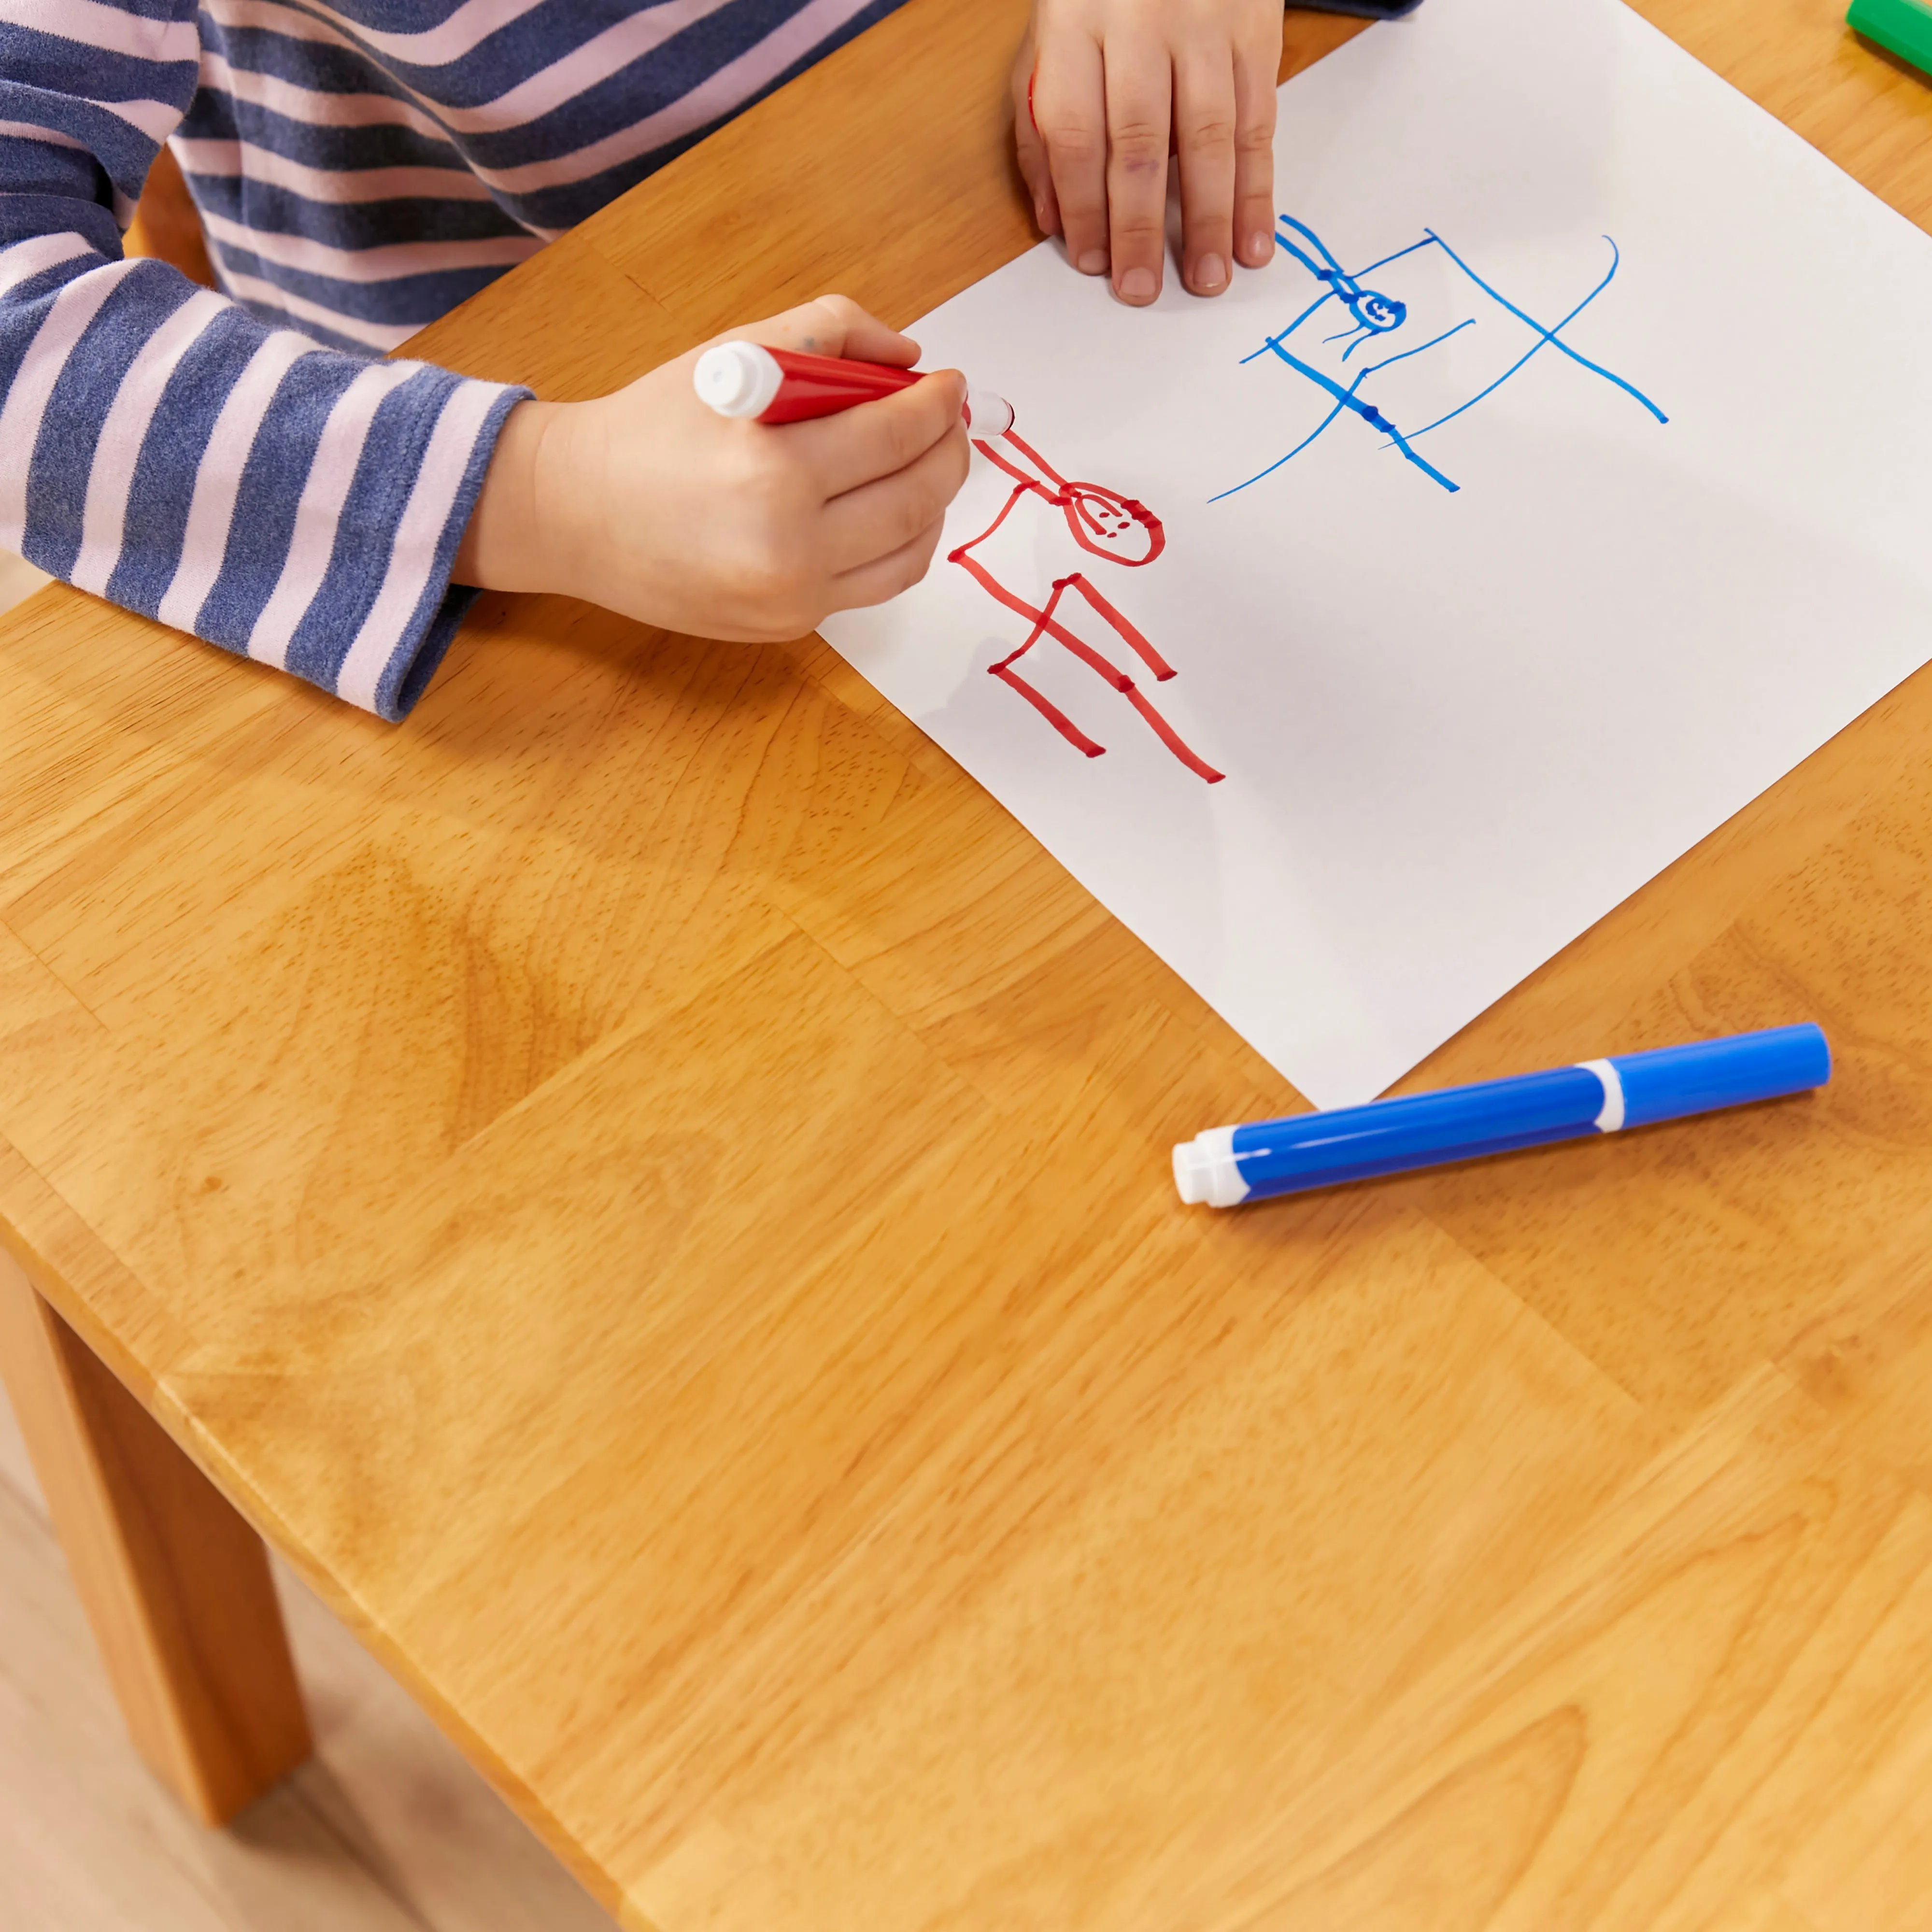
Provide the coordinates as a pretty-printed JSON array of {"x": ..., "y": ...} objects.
[
  {"x": 649, "y": 503},
  {"x": 1113, "y": 83}
]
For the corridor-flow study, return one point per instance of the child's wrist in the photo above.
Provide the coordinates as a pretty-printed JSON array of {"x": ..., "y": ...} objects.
[{"x": 509, "y": 544}]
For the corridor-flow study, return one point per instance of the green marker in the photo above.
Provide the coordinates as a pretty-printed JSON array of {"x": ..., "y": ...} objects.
[{"x": 1901, "y": 27}]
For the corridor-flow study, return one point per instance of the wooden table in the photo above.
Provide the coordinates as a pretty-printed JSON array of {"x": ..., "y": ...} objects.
[{"x": 652, "y": 1190}]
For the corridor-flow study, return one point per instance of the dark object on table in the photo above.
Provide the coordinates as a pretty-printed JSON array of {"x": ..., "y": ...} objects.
[
  {"x": 1903, "y": 28},
  {"x": 1369, "y": 10}
]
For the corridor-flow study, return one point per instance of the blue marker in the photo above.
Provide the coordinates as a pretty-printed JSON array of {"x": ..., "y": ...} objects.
[{"x": 1227, "y": 1166}]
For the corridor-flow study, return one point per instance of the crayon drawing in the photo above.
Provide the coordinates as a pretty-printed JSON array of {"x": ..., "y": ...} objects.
[
  {"x": 1374, "y": 316},
  {"x": 1106, "y": 525}
]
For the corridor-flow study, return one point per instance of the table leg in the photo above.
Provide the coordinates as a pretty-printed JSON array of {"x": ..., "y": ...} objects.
[{"x": 174, "y": 1583}]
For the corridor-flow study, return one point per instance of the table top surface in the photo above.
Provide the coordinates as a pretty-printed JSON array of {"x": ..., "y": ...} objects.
[{"x": 652, "y": 1189}]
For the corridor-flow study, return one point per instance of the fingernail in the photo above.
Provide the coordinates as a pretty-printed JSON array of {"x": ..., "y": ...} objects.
[
  {"x": 1040, "y": 214},
  {"x": 1137, "y": 285},
  {"x": 1210, "y": 272},
  {"x": 1260, "y": 244},
  {"x": 1093, "y": 262}
]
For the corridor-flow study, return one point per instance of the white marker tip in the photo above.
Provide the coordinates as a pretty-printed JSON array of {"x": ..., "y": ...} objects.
[{"x": 987, "y": 414}]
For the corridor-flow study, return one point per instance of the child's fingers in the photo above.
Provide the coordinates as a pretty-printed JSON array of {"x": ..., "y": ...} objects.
[
  {"x": 846, "y": 451},
  {"x": 868, "y": 340},
  {"x": 1254, "y": 152},
  {"x": 1069, "y": 102},
  {"x": 1046, "y": 202},
  {"x": 1140, "y": 92},
  {"x": 1027, "y": 145},
  {"x": 833, "y": 325},
  {"x": 879, "y": 517},
  {"x": 1204, "y": 108},
  {"x": 883, "y": 579}
]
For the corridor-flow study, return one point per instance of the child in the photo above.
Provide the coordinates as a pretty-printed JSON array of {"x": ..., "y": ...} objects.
[{"x": 234, "y": 465}]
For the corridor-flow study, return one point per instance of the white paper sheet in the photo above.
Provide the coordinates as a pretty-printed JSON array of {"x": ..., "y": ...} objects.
[{"x": 1454, "y": 726}]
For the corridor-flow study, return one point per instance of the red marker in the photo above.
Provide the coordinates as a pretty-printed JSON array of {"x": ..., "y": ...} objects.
[{"x": 782, "y": 386}]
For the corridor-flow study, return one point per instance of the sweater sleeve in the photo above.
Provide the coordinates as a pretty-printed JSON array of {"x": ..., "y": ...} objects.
[{"x": 162, "y": 447}]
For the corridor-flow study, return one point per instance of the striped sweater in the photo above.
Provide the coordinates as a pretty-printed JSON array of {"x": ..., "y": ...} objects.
[{"x": 236, "y": 464}]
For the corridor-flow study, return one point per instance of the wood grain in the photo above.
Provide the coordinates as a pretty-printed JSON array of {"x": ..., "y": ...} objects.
[
  {"x": 652, "y": 1189},
  {"x": 175, "y": 1585},
  {"x": 384, "y": 1829}
]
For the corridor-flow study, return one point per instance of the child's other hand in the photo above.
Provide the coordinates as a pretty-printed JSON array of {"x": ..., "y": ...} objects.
[
  {"x": 1113, "y": 84},
  {"x": 650, "y": 503}
]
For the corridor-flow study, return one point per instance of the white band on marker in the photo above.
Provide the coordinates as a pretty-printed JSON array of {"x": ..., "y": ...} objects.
[{"x": 1611, "y": 1118}]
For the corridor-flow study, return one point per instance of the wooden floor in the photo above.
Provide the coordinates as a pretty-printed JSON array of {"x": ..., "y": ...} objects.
[
  {"x": 386, "y": 1830},
  {"x": 18, "y": 579}
]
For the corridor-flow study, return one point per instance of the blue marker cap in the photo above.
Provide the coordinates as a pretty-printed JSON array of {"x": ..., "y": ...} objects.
[{"x": 1227, "y": 1166}]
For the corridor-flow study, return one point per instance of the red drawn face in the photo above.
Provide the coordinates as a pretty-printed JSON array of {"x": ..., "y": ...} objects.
[{"x": 1112, "y": 526}]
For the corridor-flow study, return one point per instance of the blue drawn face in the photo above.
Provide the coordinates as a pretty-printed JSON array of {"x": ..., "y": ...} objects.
[
  {"x": 1377, "y": 312},
  {"x": 1439, "y": 391}
]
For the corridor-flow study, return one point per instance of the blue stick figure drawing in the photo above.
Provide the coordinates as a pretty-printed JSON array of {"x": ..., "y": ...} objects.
[{"x": 1372, "y": 315}]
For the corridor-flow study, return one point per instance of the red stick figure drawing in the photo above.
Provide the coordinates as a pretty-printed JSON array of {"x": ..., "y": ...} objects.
[{"x": 1105, "y": 524}]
